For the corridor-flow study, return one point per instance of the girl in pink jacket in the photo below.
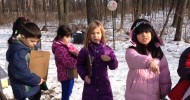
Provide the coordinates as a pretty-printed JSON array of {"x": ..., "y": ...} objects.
[
  {"x": 65, "y": 55},
  {"x": 148, "y": 75}
]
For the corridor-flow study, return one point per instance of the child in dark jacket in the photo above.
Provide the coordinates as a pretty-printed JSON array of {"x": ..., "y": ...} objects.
[
  {"x": 24, "y": 38},
  {"x": 65, "y": 54},
  {"x": 184, "y": 65},
  {"x": 182, "y": 89},
  {"x": 92, "y": 63}
]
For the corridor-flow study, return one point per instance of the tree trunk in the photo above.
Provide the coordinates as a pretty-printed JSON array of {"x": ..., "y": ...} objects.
[
  {"x": 66, "y": 12},
  {"x": 122, "y": 13},
  {"x": 45, "y": 16},
  {"x": 149, "y": 7},
  {"x": 50, "y": 6},
  {"x": 60, "y": 4},
  {"x": 177, "y": 11},
  {"x": 137, "y": 8},
  {"x": 105, "y": 9},
  {"x": 91, "y": 11},
  {"x": 171, "y": 7},
  {"x": 188, "y": 7},
  {"x": 73, "y": 6},
  {"x": 17, "y": 8},
  {"x": 29, "y": 7},
  {"x": 35, "y": 9},
  {"x": 98, "y": 7},
  {"x": 101, "y": 9},
  {"x": 180, "y": 20},
  {"x": 23, "y": 6},
  {"x": 3, "y": 7},
  {"x": 53, "y": 5},
  {"x": 163, "y": 6},
  {"x": 10, "y": 6},
  {"x": 63, "y": 12},
  {"x": 145, "y": 7}
]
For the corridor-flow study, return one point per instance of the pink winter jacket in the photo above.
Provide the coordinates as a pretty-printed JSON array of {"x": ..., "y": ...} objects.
[
  {"x": 63, "y": 59},
  {"x": 143, "y": 84}
]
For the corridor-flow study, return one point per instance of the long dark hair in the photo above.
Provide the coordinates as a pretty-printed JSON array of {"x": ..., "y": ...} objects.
[
  {"x": 143, "y": 25},
  {"x": 62, "y": 31},
  {"x": 17, "y": 25},
  {"x": 28, "y": 30}
]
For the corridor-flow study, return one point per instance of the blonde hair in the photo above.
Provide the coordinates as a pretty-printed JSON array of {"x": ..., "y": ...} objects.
[{"x": 94, "y": 24}]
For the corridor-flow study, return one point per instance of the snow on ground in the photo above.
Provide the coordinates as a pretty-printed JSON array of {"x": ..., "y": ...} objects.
[{"x": 172, "y": 50}]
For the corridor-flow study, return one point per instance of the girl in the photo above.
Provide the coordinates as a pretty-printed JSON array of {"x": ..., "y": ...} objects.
[
  {"x": 24, "y": 83},
  {"x": 65, "y": 58},
  {"x": 148, "y": 67},
  {"x": 94, "y": 72}
]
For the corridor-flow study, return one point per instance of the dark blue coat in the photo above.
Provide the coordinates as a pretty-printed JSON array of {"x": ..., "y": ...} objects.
[
  {"x": 24, "y": 83},
  {"x": 100, "y": 87}
]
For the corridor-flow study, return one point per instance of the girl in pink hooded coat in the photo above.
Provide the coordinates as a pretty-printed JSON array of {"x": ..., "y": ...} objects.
[{"x": 148, "y": 75}]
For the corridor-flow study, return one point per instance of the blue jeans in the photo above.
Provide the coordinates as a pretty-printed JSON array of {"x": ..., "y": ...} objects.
[{"x": 67, "y": 87}]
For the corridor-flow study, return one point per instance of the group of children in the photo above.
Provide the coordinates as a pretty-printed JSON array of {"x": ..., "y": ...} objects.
[{"x": 148, "y": 76}]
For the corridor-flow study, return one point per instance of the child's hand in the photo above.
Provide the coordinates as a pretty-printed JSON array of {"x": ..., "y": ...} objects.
[
  {"x": 105, "y": 58},
  {"x": 42, "y": 80},
  {"x": 87, "y": 80},
  {"x": 154, "y": 67},
  {"x": 75, "y": 53}
]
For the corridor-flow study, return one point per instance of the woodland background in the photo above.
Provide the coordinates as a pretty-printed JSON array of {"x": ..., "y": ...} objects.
[
  {"x": 170, "y": 18},
  {"x": 67, "y": 11}
]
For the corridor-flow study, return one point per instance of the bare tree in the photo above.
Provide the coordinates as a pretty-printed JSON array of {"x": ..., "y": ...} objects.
[
  {"x": 177, "y": 11},
  {"x": 45, "y": 16},
  {"x": 123, "y": 3},
  {"x": 145, "y": 7},
  {"x": 17, "y": 6},
  {"x": 149, "y": 7},
  {"x": 137, "y": 8},
  {"x": 29, "y": 4},
  {"x": 11, "y": 6},
  {"x": 60, "y": 4},
  {"x": 101, "y": 9},
  {"x": 163, "y": 4},
  {"x": 171, "y": 7},
  {"x": 3, "y": 7},
  {"x": 105, "y": 2},
  {"x": 63, "y": 12},
  {"x": 35, "y": 9},
  {"x": 180, "y": 20},
  {"x": 66, "y": 12},
  {"x": 188, "y": 7},
  {"x": 91, "y": 11},
  {"x": 22, "y": 3}
]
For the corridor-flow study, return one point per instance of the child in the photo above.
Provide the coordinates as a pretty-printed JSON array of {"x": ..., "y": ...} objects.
[
  {"x": 95, "y": 76},
  {"x": 24, "y": 83},
  {"x": 181, "y": 90},
  {"x": 65, "y": 58},
  {"x": 148, "y": 75}
]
